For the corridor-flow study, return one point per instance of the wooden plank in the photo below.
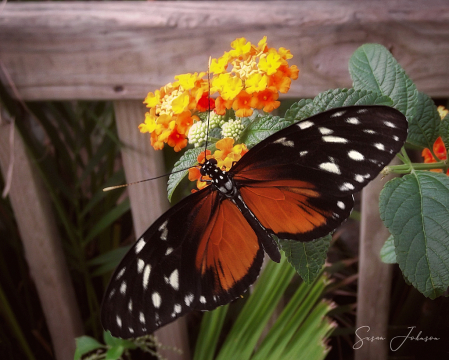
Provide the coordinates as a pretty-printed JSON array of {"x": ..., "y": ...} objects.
[
  {"x": 122, "y": 50},
  {"x": 148, "y": 201},
  {"x": 373, "y": 292},
  {"x": 42, "y": 244}
]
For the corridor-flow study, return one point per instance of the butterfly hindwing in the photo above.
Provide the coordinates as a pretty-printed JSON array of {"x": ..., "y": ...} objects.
[
  {"x": 317, "y": 165},
  {"x": 198, "y": 255}
]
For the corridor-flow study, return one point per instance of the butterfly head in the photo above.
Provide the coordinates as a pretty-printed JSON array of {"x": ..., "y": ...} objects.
[{"x": 220, "y": 179}]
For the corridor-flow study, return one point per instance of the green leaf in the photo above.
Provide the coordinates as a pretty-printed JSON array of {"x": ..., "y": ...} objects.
[
  {"x": 424, "y": 125},
  {"x": 262, "y": 127},
  {"x": 307, "y": 258},
  {"x": 347, "y": 97},
  {"x": 181, "y": 169},
  {"x": 84, "y": 345},
  {"x": 444, "y": 130},
  {"x": 107, "y": 219},
  {"x": 415, "y": 208},
  {"x": 373, "y": 68},
  {"x": 115, "y": 352},
  {"x": 300, "y": 110},
  {"x": 387, "y": 253},
  {"x": 108, "y": 261}
]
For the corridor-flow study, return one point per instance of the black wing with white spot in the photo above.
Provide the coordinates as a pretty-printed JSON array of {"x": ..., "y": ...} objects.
[
  {"x": 310, "y": 170},
  {"x": 189, "y": 259}
]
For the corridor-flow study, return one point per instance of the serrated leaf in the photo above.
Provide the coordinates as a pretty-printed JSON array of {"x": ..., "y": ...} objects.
[
  {"x": 444, "y": 130},
  {"x": 415, "y": 208},
  {"x": 347, "y": 97},
  {"x": 307, "y": 258},
  {"x": 300, "y": 110},
  {"x": 84, "y": 345},
  {"x": 181, "y": 169},
  {"x": 387, "y": 253},
  {"x": 373, "y": 68},
  {"x": 262, "y": 127},
  {"x": 424, "y": 125}
]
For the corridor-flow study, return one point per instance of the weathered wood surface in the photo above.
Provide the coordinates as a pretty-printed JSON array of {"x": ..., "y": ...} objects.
[
  {"x": 122, "y": 50},
  {"x": 148, "y": 201},
  {"x": 373, "y": 291},
  {"x": 42, "y": 244}
]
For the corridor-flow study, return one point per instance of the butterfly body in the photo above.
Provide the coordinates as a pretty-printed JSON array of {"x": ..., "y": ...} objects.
[{"x": 297, "y": 184}]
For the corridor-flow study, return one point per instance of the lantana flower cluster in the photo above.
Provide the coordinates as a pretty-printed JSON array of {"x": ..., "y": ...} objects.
[
  {"x": 438, "y": 147},
  {"x": 246, "y": 78}
]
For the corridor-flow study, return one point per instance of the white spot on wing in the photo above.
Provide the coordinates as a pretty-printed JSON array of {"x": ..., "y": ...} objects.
[
  {"x": 131, "y": 330},
  {"x": 119, "y": 321},
  {"x": 361, "y": 111},
  {"x": 146, "y": 276},
  {"x": 156, "y": 298},
  {"x": 338, "y": 113},
  {"x": 305, "y": 124},
  {"x": 346, "y": 186},
  {"x": 353, "y": 121},
  {"x": 140, "y": 265},
  {"x": 359, "y": 178},
  {"x": 188, "y": 299},
  {"x": 355, "y": 155},
  {"x": 178, "y": 308},
  {"x": 334, "y": 139},
  {"x": 120, "y": 274},
  {"x": 202, "y": 300},
  {"x": 341, "y": 205},
  {"x": 173, "y": 280},
  {"x": 142, "y": 317},
  {"x": 302, "y": 153},
  {"x": 395, "y": 138},
  {"x": 369, "y": 131},
  {"x": 285, "y": 142},
  {"x": 123, "y": 288},
  {"x": 330, "y": 167},
  {"x": 168, "y": 251},
  {"x": 325, "y": 131},
  {"x": 111, "y": 294},
  {"x": 130, "y": 305},
  {"x": 163, "y": 229},
  {"x": 390, "y": 124},
  {"x": 139, "y": 246},
  {"x": 379, "y": 146}
]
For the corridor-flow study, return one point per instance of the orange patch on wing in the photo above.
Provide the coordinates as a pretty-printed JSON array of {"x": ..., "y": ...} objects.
[
  {"x": 284, "y": 206},
  {"x": 228, "y": 246}
]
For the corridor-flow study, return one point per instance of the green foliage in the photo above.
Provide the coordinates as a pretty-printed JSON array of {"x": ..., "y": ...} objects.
[
  {"x": 387, "y": 253},
  {"x": 415, "y": 211},
  {"x": 307, "y": 258},
  {"x": 299, "y": 329}
]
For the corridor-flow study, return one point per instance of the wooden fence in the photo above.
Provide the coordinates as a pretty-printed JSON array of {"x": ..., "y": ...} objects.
[{"x": 121, "y": 50}]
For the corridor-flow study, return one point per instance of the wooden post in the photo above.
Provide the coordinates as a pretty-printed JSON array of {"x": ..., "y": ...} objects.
[
  {"x": 148, "y": 200},
  {"x": 373, "y": 294},
  {"x": 42, "y": 244}
]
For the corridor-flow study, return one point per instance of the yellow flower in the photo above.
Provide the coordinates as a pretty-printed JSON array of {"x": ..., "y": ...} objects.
[
  {"x": 240, "y": 46},
  {"x": 256, "y": 82},
  {"x": 270, "y": 63},
  {"x": 180, "y": 103},
  {"x": 442, "y": 111}
]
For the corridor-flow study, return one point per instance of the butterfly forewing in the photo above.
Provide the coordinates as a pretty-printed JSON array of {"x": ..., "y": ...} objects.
[
  {"x": 206, "y": 250},
  {"x": 330, "y": 155}
]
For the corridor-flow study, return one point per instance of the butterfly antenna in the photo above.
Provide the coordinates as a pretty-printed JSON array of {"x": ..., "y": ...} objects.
[{"x": 141, "y": 181}]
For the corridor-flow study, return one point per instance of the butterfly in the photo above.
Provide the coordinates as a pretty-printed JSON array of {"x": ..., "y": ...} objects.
[{"x": 205, "y": 251}]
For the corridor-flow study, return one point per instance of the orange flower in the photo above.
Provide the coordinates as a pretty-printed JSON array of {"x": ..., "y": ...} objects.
[
  {"x": 221, "y": 105},
  {"x": 242, "y": 104},
  {"x": 438, "y": 147},
  {"x": 266, "y": 99}
]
